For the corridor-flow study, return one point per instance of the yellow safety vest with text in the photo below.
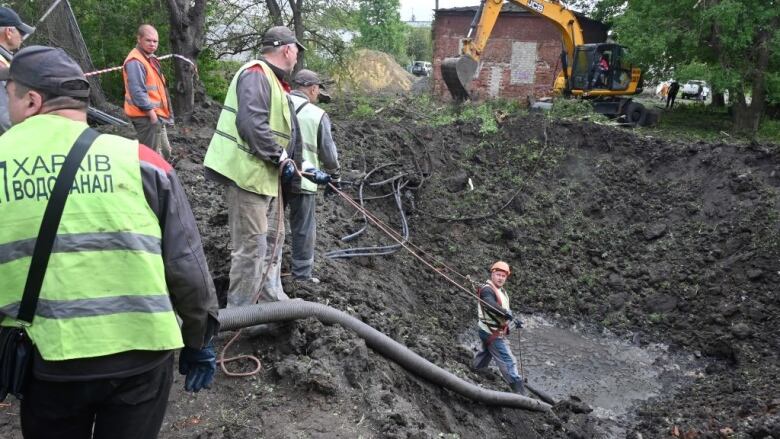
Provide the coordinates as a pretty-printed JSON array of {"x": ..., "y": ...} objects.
[{"x": 104, "y": 291}]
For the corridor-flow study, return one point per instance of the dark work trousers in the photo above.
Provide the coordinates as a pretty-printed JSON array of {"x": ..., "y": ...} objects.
[
  {"x": 122, "y": 408},
  {"x": 670, "y": 97},
  {"x": 303, "y": 228},
  {"x": 155, "y": 136}
]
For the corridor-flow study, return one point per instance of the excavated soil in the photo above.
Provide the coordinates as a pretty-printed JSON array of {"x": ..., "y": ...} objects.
[{"x": 655, "y": 241}]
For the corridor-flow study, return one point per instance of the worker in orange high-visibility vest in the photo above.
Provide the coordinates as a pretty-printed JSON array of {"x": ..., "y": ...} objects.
[{"x": 147, "y": 102}]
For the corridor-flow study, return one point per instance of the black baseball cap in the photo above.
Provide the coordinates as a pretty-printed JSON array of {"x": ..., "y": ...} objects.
[
  {"x": 49, "y": 70},
  {"x": 306, "y": 78},
  {"x": 279, "y": 36},
  {"x": 10, "y": 18}
]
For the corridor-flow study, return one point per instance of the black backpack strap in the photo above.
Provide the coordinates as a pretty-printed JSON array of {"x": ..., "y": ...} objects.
[
  {"x": 51, "y": 222},
  {"x": 301, "y": 107}
]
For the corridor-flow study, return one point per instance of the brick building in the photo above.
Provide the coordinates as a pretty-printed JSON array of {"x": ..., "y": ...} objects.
[{"x": 522, "y": 56}]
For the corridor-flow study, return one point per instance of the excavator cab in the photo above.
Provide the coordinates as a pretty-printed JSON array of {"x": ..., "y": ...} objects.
[{"x": 600, "y": 67}]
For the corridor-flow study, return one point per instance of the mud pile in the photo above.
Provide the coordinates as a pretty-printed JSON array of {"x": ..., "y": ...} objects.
[
  {"x": 654, "y": 240},
  {"x": 370, "y": 72}
]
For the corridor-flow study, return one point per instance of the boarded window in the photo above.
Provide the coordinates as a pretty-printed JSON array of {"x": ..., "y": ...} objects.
[{"x": 523, "y": 64}]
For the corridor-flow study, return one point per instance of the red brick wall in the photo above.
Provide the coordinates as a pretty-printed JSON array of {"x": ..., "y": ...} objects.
[{"x": 448, "y": 29}]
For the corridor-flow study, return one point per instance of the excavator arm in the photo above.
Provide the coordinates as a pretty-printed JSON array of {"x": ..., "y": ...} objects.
[{"x": 459, "y": 71}]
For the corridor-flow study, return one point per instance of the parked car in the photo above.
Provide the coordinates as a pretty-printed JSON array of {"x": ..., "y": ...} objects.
[
  {"x": 694, "y": 89},
  {"x": 422, "y": 68}
]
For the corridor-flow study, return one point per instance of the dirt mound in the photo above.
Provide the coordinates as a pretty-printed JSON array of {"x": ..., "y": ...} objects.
[
  {"x": 661, "y": 241},
  {"x": 370, "y": 72}
]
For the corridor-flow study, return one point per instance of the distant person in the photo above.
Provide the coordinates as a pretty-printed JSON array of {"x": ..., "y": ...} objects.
[
  {"x": 664, "y": 91},
  {"x": 147, "y": 102},
  {"x": 12, "y": 32},
  {"x": 674, "y": 87},
  {"x": 318, "y": 152},
  {"x": 127, "y": 281},
  {"x": 256, "y": 131},
  {"x": 494, "y": 319},
  {"x": 602, "y": 70}
]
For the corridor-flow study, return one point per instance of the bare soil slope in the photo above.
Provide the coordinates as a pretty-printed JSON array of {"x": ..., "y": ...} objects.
[{"x": 656, "y": 240}]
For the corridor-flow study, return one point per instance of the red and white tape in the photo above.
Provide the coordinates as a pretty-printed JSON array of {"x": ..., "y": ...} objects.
[{"x": 170, "y": 55}]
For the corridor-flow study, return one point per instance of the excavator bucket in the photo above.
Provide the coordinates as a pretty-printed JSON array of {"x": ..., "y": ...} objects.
[{"x": 457, "y": 74}]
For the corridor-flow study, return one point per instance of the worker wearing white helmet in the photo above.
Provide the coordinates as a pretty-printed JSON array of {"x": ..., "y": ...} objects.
[{"x": 494, "y": 319}]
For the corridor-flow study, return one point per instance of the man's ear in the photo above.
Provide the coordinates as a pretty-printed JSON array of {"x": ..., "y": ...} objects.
[{"x": 34, "y": 103}]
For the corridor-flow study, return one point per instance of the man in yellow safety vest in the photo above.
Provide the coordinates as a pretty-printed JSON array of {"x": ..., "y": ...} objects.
[
  {"x": 12, "y": 32},
  {"x": 126, "y": 262},
  {"x": 318, "y": 158},
  {"x": 255, "y": 133}
]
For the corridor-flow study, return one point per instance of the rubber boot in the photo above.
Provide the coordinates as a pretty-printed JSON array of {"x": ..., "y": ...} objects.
[{"x": 519, "y": 388}]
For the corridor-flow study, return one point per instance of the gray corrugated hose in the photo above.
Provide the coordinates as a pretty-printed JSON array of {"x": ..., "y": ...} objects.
[{"x": 244, "y": 316}]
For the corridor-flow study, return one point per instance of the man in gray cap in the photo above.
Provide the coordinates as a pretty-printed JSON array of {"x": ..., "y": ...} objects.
[
  {"x": 128, "y": 261},
  {"x": 255, "y": 133},
  {"x": 12, "y": 32},
  {"x": 318, "y": 152}
]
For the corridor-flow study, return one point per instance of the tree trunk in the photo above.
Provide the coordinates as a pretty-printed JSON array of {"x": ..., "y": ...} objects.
[
  {"x": 296, "y": 6},
  {"x": 747, "y": 118},
  {"x": 275, "y": 12},
  {"x": 188, "y": 25}
]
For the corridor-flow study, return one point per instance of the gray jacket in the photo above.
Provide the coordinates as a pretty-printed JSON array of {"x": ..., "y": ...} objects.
[
  {"x": 253, "y": 118},
  {"x": 136, "y": 84}
]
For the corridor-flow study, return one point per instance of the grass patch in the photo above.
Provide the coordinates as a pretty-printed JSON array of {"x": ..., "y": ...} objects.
[{"x": 698, "y": 121}]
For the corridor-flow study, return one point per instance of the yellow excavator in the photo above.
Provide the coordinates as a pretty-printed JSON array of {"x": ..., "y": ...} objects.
[{"x": 595, "y": 71}]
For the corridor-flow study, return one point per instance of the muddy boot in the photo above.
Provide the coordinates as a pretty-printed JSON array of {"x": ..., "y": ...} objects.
[{"x": 519, "y": 388}]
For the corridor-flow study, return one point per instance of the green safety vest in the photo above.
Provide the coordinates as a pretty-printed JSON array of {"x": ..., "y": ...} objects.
[
  {"x": 309, "y": 117},
  {"x": 486, "y": 321},
  {"x": 230, "y": 156},
  {"x": 104, "y": 291}
]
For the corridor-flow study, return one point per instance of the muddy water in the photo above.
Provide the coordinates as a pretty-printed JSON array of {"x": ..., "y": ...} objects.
[{"x": 608, "y": 373}]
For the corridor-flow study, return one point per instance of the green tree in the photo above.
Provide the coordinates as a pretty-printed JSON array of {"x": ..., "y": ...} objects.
[
  {"x": 734, "y": 44},
  {"x": 418, "y": 43},
  {"x": 380, "y": 27},
  {"x": 108, "y": 28}
]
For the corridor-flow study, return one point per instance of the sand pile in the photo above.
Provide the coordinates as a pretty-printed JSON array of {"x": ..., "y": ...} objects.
[{"x": 370, "y": 71}]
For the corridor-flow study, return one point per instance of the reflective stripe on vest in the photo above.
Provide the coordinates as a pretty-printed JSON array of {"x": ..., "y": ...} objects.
[
  {"x": 155, "y": 88},
  {"x": 104, "y": 290},
  {"x": 309, "y": 117},
  {"x": 230, "y": 156},
  {"x": 486, "y": 322}
]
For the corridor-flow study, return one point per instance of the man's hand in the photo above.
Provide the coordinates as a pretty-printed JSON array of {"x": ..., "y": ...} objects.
[
  {"x": 199, "y": 366},
  {"x": 518, "y": 324},
  {"x": 152, "y": 117},
  {"x": 317, "y": 176}
]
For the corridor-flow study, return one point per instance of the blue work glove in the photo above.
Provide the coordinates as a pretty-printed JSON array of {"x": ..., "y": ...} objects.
[
  {"x": 317, "y": 176},
  {"x": 288, "y": 171},
  {"x": 199, "y": 365}
]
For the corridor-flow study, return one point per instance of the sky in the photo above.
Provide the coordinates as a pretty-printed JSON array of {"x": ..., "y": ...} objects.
[{"x": 423, "y": 9}]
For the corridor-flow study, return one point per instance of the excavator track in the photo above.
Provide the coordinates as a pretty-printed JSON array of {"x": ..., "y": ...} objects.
[{"x": 457, "y": 73}]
